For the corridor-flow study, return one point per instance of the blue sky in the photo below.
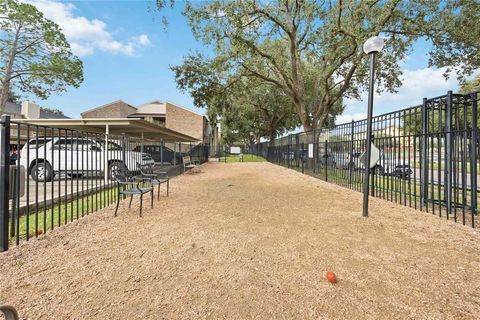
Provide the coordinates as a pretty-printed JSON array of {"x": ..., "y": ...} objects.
[
  {"x": 113, "y": 71},
  {"x": 127, "y": 54}
]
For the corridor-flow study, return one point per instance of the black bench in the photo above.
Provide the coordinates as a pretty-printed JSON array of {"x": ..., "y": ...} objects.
[{"x": 188, "y": 164}]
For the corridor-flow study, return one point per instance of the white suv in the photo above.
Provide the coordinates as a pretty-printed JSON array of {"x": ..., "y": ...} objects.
[{"x": 77, "y": 157}]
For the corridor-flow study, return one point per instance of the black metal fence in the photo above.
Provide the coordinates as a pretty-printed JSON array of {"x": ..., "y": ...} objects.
[
  {"x": 52, "y": 176},
  {"x": 428, "y": 155}
]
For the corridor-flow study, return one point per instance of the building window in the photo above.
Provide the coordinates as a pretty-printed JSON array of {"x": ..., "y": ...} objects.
[{"x": 159, "y": 121}]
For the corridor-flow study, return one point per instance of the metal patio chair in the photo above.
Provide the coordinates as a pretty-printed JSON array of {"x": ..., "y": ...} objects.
[
  {"x": 129, "y": 186},
  {"x": 158, "y": 178}
]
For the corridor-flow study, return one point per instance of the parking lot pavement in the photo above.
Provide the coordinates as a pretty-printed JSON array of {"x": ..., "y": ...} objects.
[{"x": 37, "y": 194}]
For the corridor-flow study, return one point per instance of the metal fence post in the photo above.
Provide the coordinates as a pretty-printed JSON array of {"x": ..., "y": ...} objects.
[
  {"x": 423, "y": 157},
  {"x": 313, "y": 149},
  {"x": 302, "y": 157},
  {"x": 161, "y": 154},
  {"x": 351, "y": 163},
  {"x": 372, "y": 173},
  {"x": 174, "y": 153},
  {"x": 326, "y": 160},
  {"x": 4, "y": 180},
  {"x": 473, "y": 156},
  {"x": 448, "y": 155},
  {"x": 106, "y": 155},
  {"x": 297, "y": 145},
  {"x": 123, "y": 149},
  {"x": 288, "y": 150}
]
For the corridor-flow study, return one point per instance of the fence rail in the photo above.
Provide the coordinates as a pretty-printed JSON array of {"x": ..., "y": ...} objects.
[
  {"x": 52, "y": 176},
  {"x": 428, "y": 155}
]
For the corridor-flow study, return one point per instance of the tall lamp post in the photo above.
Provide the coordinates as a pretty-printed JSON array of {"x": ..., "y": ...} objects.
[{"x": 371, "y": 47}]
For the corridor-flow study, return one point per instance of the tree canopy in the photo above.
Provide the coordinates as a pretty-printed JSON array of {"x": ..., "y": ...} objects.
[
  {"x": 35, "y": 57},
  {"x": 471, "y": 85},
  {"x": 312, "y": 50},
  {"x": 247, "y": 108}
]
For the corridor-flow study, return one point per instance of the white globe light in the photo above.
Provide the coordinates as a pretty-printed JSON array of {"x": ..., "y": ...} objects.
[{"x": 373, "y": 44}]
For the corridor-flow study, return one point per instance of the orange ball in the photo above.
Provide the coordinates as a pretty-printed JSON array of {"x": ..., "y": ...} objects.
[{"x": 331, "y": 277}]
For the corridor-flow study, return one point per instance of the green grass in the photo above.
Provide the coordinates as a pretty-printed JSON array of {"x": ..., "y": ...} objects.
[
  {"x": 391, "y": 188},
  {"x": 61, "y": 214},
  {"x": 246, "y": 158}
]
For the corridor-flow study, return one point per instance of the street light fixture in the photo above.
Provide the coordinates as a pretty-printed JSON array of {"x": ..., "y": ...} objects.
[{"x": 370, "y": 47}]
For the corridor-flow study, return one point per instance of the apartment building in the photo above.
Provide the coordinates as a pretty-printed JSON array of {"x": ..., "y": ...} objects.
[{"x": 165, "y": 114}]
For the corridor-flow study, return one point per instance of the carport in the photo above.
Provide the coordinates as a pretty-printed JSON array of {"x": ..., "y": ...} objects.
[{"x": 132, "y": 127}]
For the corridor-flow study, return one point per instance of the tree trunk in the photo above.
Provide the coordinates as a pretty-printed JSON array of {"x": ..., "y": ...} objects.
[
  {"x": 302, "y": 114},
  {"x": 271, "y": 137},
  {"x": 5, "y": 94}
]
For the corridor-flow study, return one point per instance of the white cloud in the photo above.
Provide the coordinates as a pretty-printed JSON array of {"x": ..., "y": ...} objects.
[
  {"x": 87, "y": 36},
  {"x": 345, "y": 118},
  {"x": 417, "y": 84},
  {"x": 143, "y": 40}
]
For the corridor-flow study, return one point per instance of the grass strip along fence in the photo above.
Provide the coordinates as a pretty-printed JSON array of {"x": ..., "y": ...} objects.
[
  {"x": 429, "y": 156},
  {"x": 52, "y": 176}
]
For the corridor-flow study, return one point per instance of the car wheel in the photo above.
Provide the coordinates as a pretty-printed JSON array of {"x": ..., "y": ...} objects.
[
  {"x": 116, "y": 168},
  {"x": 41, "y": 171}
]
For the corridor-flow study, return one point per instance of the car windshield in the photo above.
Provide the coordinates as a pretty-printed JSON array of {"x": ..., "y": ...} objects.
[
  {"x": 37, "y": 142},
  {"x": 111, "y": 145}
]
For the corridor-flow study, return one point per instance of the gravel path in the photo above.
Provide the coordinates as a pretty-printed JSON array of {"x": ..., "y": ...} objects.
[{"x": 249, "y": 240}]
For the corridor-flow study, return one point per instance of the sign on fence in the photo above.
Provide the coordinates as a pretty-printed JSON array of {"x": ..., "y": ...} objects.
[
  {"x": 310, "y": 150},
  {"x": 374, "y": 157},
  {"x": 235, "y": 150}
]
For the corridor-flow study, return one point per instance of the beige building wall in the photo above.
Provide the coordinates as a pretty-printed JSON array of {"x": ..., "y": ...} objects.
[
  {"x": 117, "y": 109},
  {"x": 184, "y": 121}
]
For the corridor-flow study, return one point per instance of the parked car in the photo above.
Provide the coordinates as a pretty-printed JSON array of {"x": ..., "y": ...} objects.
[
  {"x": 77, "y": 157},
  {"x": 393, "y": 167},
  {"x": 303, "y": 155},
  {"x": 156, "y": 155},
  {"x": 328, "y": 160},
  {"x": 287, "y": 155},
  {"x": 386, "y": 165},
  {"x": 340, "y": 160},
  {"x": 353, "y": 162}
]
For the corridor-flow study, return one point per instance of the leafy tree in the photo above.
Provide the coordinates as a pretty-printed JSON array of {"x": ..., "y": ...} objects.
[
  {"x": 203, "y": 80},
  {"x": 14, "y": 97},
  {"x": 259, "y": 110},
  {"x": 248, "y": 108},
  {"x": 53, "y": 110},
  {"x": 35, "y": 57},
  {"x": 470, "y": 85},
  {"x": 312, "y": 50}
]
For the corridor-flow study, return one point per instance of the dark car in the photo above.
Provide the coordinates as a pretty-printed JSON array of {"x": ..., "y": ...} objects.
[
  {"x": 352, "y": 162},
  {"x": 393, "y": 166},
  {"x": 328, "y": 160},
  {"x": 168, "y": 154}
]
